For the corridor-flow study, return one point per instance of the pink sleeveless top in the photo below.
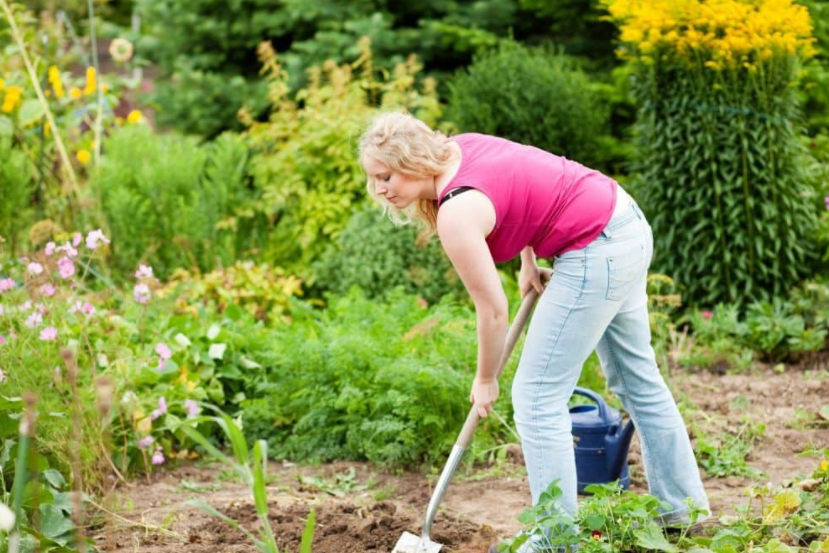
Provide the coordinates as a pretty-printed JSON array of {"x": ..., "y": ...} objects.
[{"x": 541, "y": 200}]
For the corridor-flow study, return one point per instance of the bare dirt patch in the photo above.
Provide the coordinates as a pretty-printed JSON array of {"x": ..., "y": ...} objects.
[{"x": 378, "y": 507}]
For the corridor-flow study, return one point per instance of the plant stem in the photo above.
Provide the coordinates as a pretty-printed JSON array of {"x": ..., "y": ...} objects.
[
  {"x": 99, "y": 87},
  {"x": 66, "y": 163}
]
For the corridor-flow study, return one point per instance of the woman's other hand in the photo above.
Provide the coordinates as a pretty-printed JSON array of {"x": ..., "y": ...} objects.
[
  {"x": 483, "y": 395},
  {"x": 531, "y": 276}
]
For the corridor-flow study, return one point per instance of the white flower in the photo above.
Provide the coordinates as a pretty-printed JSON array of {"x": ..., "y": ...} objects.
[{"x": 6, "y": 518}]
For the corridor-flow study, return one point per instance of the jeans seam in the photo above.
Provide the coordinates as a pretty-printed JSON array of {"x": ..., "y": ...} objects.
[{"x": 645, "y": 448}]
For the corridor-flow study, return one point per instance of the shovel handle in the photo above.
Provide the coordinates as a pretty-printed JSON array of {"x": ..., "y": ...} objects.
[{"x": 515, "y": 330}]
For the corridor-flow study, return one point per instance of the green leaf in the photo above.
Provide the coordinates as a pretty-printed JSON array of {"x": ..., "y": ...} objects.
[
  {"x": 30, "y": 112},
  {"x": 217, "y": 351},
  {"x": 55, "y": 478},
  {"x": 260, "y": 496},
  {"x": 55, "y": 524},
  {"x": 182, "y": 340},
  {"x": 6, "y": 126},
  {"x": 652, "y": 538},
  {"x": 308, "y": 534}
]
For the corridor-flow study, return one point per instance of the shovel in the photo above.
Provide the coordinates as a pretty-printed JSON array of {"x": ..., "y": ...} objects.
[{"x": 410, "y": 543}]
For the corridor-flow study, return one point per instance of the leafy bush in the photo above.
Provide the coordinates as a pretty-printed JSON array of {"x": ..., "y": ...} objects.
[
  {"x": 362, "y": 380},
  {"x": 533, "y": 97},
  {"x": 167, "y": 201},
  {"x": 209, "y": 69},
  {"x": 783, "y": 329},
  {"x": 260, "y": 290},
  {"x": 16, "y": 188},
  {"x": 375, "y": 255},
  {"x": 305, "y": 168},
  {"x": 722, "y": 174}
]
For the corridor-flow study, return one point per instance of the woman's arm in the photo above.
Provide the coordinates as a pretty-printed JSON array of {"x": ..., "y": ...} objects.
[{"x": 463, "y": 227}]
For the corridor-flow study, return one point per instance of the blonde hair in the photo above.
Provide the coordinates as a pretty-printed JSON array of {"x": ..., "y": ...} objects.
[{"x": 407, "y": 145}]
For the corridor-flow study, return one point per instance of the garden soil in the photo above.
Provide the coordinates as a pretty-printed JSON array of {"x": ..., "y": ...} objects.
[{"x": 367, "y": 511}]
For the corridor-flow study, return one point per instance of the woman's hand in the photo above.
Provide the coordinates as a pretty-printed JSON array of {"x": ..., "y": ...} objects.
[
  {"x": 483, "y": 395},
  {"x": 531, "y": 277}
]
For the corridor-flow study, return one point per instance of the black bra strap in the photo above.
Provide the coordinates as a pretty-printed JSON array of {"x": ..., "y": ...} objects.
[{"x": 454, "y": 192}]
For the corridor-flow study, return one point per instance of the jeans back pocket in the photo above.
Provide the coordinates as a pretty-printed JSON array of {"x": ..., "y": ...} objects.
[{"x": 624, "y": 269}]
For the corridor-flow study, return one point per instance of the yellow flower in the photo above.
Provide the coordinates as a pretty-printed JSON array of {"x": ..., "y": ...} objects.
[
  {"x": 12, "y": 99},
  {"x": 119, "y": 121},
  {"x": 2, "y": 84},
  {"x": 47, "y": 129},
  {"x": 83, "y": 156},
  {"x": 824, "y": 465},
  {"x": 91, "y": 81},
  {"x": 134, "y": 116},
  {"x": 55, "y": 81}
]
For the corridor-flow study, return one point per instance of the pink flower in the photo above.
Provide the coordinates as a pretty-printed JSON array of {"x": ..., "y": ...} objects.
[
  {"x": 49, "y": 334},
  {"x": 40, "y": 308},
  {"x": 706, "y": 314},
  {"x": 163, "y": 351},
  {"x": 47, "y": 290},
  {"x": 76, "y": 239},
  {"x": 141, "y": 293},
  {"x": 826, "y": 201},
  {"x": 50, "y": 248},
  {"x": 2, "y": 340},
  {"x": 34, "y": 320},
  {"x": 68, "y": 249},
  {"x": 162, "y": 408},
  {"x": 25, "y": 306},
  {"x": 158, "y": 456},
  {"x": 144, "y": 272},
  {"x": 145, "y": 442},
  {"x": 95, "y": 239},
  {"x": 6, "y": 284},
  {"x": 191, "y": 407},
  {"x": 34, "y": 268},
  {"x": 65, "y": 267},
  {"x": 88, "y": 309}
]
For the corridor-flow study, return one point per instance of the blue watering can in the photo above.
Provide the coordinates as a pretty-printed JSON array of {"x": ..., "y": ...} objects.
[{"x": 600, "y": 442}]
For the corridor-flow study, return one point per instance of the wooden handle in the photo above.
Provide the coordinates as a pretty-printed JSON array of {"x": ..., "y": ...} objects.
[{"x": 515, "y": 330}]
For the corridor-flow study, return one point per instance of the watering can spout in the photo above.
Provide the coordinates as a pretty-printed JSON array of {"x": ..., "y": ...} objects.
[{"x": 616, "y": 447}]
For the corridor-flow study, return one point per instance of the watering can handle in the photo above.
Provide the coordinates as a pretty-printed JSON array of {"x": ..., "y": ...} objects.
[
  {"x": 596, "y": 398},
  {"x": 515, "y": 330}
]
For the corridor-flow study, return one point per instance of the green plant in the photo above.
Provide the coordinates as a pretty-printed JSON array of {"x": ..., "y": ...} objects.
[
  {"x": 168, "y": 201},
  {"x": 611, "y": 520},
  {"x": 305, "y": 168},
  {"x": 722, "y": 174},
  {"x": 376, "y": 256},
  {"x": 545, "y": 101},
  {"x": 17, "y": 185},
  {"x": 388, "y": 382},
  {"x": 252, "y": 468},
  {"x": 726, "y": 454}
]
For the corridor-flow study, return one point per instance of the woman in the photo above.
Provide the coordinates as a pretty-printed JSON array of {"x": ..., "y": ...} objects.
[{"x": 489, "y": 200}]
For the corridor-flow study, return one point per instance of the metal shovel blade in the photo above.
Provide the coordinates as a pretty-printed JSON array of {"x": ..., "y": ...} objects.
[{"x": 409, "y": 543}]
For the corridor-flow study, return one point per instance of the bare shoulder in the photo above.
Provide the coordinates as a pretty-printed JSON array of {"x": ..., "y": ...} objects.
[{"x": 469, "y": 214}]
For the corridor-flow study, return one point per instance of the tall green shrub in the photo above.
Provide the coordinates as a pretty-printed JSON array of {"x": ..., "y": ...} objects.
[
  {"x": 172, "y": 203},
  {"x": 374, "y": 255},
  {"x": 722, "y": 174},
  {"x": 533, "y": 97}
]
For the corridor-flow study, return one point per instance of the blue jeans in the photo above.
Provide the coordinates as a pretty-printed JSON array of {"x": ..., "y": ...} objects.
[{"x": 597, "y": 300}]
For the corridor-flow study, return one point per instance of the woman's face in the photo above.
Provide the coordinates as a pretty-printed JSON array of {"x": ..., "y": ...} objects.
[{"x": 399, "y": 189}]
